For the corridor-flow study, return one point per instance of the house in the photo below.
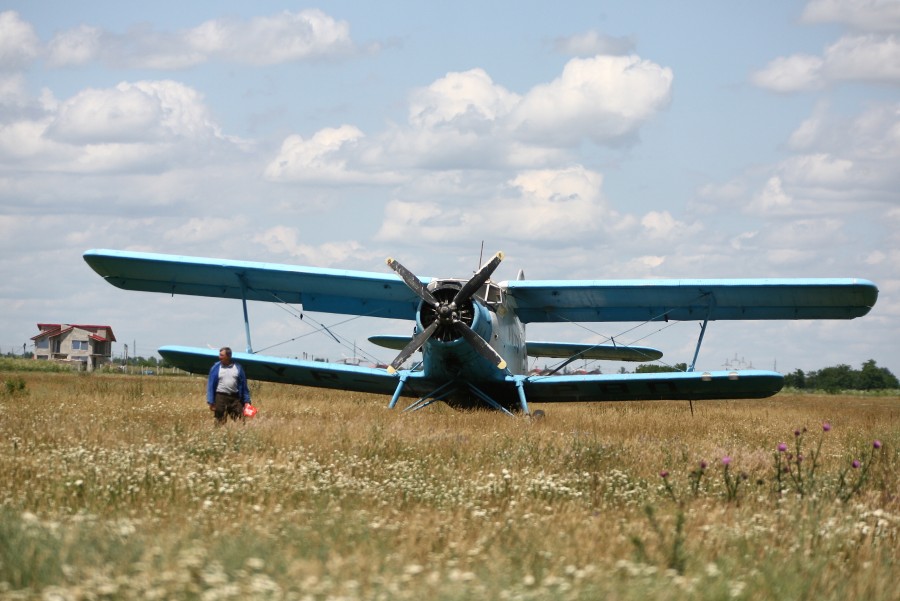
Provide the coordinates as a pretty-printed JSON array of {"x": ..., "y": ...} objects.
[{"x": 91, "y": 345}]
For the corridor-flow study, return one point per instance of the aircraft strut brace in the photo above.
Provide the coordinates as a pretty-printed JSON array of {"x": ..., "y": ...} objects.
[
  {"x": 448, "y": 388},
  {"x": 244, "y": 303},
  {"x": 709, "y": 308}
]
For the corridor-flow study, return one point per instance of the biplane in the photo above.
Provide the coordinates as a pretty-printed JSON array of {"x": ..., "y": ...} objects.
[{"x": 471, "y": 331}]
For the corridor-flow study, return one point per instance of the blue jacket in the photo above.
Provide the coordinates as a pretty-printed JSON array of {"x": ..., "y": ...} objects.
[{"x": 243, "y": 390}]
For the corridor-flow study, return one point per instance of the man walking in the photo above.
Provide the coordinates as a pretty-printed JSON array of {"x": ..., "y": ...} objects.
[{"x": 226, "y": 390}]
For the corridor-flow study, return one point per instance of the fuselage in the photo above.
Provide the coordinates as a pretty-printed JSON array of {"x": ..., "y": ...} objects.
[{"x": 451, "y": 357}]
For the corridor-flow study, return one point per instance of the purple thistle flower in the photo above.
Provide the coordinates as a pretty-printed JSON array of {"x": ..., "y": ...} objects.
[
  {"x": 826, "y": 427},
  {"x": 855, "y": 463},
  {"x": 726, "y": 460},
  {"x": 876, "y": 444},
  {"x": 782, "y": 447},
  {"x": 703, "y": 465},
  {"x": 664, "y": 474},
  {"x": 796, "y": 432}
]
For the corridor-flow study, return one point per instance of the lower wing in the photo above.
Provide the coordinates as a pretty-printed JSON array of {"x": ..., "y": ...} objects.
[
  {"x": 287, "y": 371},
  {"x": 749, "y": 384}
]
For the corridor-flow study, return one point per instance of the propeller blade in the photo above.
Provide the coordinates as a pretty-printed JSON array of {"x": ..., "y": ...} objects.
[
  {"x": 414, "y": 344},
  {"x": 412, "y": 282},
  {"x": 483, "y": 348},
  {"x": 478, "y": 279}
]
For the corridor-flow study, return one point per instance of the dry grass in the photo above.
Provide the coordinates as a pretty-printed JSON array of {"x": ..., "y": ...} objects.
[{"x": 122, "y": 487}]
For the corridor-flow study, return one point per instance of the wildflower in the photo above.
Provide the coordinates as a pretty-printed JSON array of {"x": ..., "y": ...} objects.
[
  {"x": 876, "y": 444},
  {"x": 796, "y": 432},
  {"x": 726, "y": 460},
  {"x": 664, "y": 474},
  {"x": 826, "y": 427},
  {"x": 782, "y": 447},
  {"x": 703, "y": 465},
  {"x": 855, "y": 464}
]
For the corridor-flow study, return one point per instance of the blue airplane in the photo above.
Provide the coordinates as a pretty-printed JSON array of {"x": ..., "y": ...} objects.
[{"x": 471, "y": 332}]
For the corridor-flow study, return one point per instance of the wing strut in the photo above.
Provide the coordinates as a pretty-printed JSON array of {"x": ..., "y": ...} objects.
[
  {"x": 244, "y": 303},
  {"x": 520, "y": 388},
  {"x": 403, "y": 376},
  {"x": 432, "y": 397},
  {"x": 712, "y": 303}
]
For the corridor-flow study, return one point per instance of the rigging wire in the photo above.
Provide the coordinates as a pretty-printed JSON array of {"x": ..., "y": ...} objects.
[
  {"x": 607, "y": 338},
  {"x": 320, "y": 327}
]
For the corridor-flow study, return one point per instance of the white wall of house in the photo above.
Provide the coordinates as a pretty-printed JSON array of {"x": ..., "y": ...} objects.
[{"x": 75, "y": 345}]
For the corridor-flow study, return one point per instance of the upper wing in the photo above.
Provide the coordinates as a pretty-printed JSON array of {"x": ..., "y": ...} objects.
[
  {"x": 317, "y": 289},
  {"x": 674, "y": 386},
  {"x": 678, "y": 300}
]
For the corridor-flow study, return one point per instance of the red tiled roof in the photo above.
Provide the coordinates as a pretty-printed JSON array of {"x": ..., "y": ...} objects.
[{"x": 52, "y": 330}]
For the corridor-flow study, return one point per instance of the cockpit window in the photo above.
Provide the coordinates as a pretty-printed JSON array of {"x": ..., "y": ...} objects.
[{"x": 490, "y": 293}]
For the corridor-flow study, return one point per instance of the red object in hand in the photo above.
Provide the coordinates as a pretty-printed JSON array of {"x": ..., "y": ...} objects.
[{"x": 249, "y": 410}]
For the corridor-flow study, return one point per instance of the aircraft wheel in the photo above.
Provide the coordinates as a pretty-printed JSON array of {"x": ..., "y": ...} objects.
[{"x": 537, "y": 414}]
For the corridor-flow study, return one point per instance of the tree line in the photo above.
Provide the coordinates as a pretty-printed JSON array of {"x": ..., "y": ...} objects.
[
  {"x": 844, "y": 377},
  {"x": 829, "y": 379}
]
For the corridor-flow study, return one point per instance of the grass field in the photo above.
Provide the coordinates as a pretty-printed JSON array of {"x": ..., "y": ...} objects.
[{"x": 121, "y": 487}]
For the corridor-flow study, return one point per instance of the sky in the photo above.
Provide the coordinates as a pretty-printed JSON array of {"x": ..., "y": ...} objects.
[{"x": 586, "y": 140}]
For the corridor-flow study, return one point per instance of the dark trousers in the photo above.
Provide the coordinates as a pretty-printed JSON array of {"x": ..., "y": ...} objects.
[{"x": 228, "y": 405}]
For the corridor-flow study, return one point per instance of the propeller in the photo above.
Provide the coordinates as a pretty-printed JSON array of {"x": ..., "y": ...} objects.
[{"x": 447, "y": 313}]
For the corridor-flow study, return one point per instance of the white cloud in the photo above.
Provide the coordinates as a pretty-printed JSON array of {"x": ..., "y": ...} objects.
[
  {"x": 866, "y": 15},
  {"x": 75, "y": 46},
  {"x": 467, "y": 101},
  {"x": 330, "y": 156},
  {"x": 537, "y": 205},
  {"x": 145, "y": 111},
  {"x": 201, "y": 230},
  {"x": 19, "y": 44},
  {"x": 604, "y": 99},
  {"x": 791, "y": 74},
  {"x": 872, "y": 57},
  {"x": 800, "y": 241},
  {"x": 141, "y": 126},
  {"x": 423, "y": 220},
  {"x": 840, "y": 166},
  {"x": 552, "y": 201},
  {"x": 281, "y": 240},
  {"x": 12, "y": 90},
  {"x": 284, "y": 37},
  {"x": 772, "y": 200},
  {"x": 592, "y": 43},
  {"x": 858, "y": 154},
  {"x": 122, "y": 114},
  {"x": 465, "y": 120},
  {"x": 661, "y": 225}
]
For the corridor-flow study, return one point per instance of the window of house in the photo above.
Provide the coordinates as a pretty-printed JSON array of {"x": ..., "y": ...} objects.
[
  {"x": 42, "y": 343},
  {"x": 79, "y": 345}
]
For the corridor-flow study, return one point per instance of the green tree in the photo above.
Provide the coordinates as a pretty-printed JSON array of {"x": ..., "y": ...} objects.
[
  {"x": 796, "y": 379},
  {"x": 834, "y": 379},
  {"x": 872, "y": 377},
  {"x": 652, "y": 368}
]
